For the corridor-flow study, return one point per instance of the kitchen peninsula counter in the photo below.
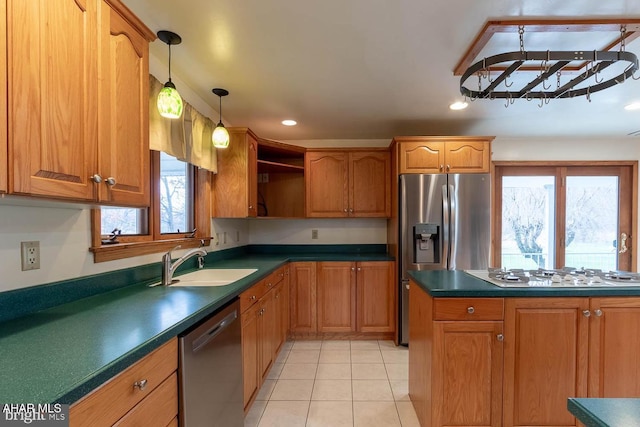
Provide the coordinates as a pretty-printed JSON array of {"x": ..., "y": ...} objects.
[
  {"x": 61, "y": 353},
  {"x": 457, "y": 283}
]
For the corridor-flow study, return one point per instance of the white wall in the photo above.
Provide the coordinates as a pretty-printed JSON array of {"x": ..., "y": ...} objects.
[{"x": 330, "y": 231}]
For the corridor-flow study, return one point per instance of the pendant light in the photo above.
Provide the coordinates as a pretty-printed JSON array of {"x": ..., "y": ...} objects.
[
  {"x": 220, "y": 137},
  {"x": 169, "y": 100}
]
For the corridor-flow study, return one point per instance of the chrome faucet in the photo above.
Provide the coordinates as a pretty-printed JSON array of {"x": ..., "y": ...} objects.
[{"x": 168, "y": 268}]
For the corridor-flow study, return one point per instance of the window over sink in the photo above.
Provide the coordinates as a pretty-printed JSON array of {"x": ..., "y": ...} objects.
[{"x": 179, "y": 214}]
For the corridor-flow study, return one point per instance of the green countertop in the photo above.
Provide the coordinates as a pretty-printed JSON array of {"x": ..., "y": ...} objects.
[
  {"x": 61, "y": 353},
  {"x": 456, "y": 283},
  {"x": 606, "y": 412}
]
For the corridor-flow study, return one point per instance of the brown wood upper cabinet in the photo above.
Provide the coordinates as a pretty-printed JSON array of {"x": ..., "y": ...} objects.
[
  {"x": 76, "y": 131},
  {"x": 258, "y": 178},
  {"x": 4, "y": 166},
  {"x": 348, "y": 183},
  {"x": 444, "y": 154},
  {"x": 235, "y": 185}
]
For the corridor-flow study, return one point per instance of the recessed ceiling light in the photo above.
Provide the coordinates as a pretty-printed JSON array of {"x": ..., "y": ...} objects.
[
  {"x": 632, "y": 106},
  {"x": 458, "y": 105},
  {"x": 289, "y": 122}
]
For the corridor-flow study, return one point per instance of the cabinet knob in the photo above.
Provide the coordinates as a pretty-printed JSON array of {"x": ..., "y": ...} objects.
[
  {"x": 96, "y": 178},
  {"x": 500, "y": 337},
  {"x": 586, "y": 313},
  {"x": 111, "y": 181},
  {"x": 353, "y": 269},
  {"x": 441, "y": 167},
  {"x": 351, "y": 210},
  {"x": 448, "y": 167},
  {"x": 597, "y": 312},
  {"x": 345, "y": 210},
  {"x": 250, "y": 206},
  {"x": 471, "y": 310},
  {"x": 142, "y": 384},
  {"x": 253, "y": 298},
  {"x": 359, "y": 269}
]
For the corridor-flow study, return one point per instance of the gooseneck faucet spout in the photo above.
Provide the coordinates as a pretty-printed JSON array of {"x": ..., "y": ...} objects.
[{"x": 169, "y": 268}]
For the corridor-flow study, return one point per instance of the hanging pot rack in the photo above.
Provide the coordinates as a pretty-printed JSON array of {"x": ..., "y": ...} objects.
[{"x": 548, "y": 63}]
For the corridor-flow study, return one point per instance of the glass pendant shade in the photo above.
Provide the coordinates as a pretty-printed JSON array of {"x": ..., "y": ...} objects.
[
  {"x": 220, "y": 136},
  {"x": 170, "y": 102}
]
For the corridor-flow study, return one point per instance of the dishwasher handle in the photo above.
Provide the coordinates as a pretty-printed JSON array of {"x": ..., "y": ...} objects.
[{"x": 215, "y": 330}]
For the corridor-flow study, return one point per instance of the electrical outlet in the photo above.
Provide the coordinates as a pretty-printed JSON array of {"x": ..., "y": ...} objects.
[
  {"x": 224, "y": 238},
  {"x": 217, "y": 239},
  {"x": 238, "y": 236},
  {"x": 314, "y": 234},
  {"x": 30, "y": 254}
]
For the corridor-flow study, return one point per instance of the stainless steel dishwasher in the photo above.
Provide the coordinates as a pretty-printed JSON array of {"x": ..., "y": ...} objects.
[{"x": 211, "y": 372}]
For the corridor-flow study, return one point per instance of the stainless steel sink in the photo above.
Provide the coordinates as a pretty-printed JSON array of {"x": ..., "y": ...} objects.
[{"x": 212, "y": 277}]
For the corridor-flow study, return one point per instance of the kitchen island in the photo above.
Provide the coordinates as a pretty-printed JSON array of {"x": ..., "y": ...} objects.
[{"x": 483, "y": 355}]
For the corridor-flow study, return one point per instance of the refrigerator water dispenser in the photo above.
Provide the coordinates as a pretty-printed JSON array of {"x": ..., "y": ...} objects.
[{"x": 426, "y": 243}]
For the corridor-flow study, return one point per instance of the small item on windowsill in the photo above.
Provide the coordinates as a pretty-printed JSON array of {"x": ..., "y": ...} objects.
[{"x": 113, "y": 237}]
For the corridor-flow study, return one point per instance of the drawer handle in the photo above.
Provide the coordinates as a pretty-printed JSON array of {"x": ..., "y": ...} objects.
[
  {"x": 598, "y": 312},
  {"x": 142, "y": 384},
  {"x": 500, "y": 337},
  {"x": 471, "y": 310}
]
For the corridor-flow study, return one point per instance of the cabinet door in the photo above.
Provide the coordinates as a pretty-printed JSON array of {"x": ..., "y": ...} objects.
[
  {"x": 235, "y": 184},
  {"x": 467, "y": 374},
  {"x": 250, "y": 352},
  {"x": 336, "y": 296},
  {"x": 303, "y": 297},
  {"x": 467, "y": 156},
  {"x": 545, "y": 359},
  {"x": 376, "y": 297},
  {"x": 421, "y": 157},
  {"x": 369, "y": 184},
  {"x": 4, "y": 167},
  {"x": 278, "y": 307},
  {"x": 123, "y": 151},
  {"x": 614, "y": 347},
  {"x": 266, "y": 321},
  {"x": 326, "y": 184},
  {"x": 252, "y": 179},
  {"x": 53, "y": 97}
]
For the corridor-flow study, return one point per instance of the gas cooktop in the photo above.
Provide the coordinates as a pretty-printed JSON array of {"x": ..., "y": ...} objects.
[{"x": 566, "y": 277}]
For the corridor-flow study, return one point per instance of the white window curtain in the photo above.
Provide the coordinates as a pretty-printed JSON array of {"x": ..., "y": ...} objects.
[{"x": 168, "y": 135}]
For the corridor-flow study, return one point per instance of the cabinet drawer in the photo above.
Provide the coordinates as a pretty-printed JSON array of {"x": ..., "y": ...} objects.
[
  {"x": 108, "y": 403},
  {"x": 468, "y": 309},
  {"x": 252, "y": 295},
  {"x": 273, "y": 279},
  {"x": 159, "y": 408}
]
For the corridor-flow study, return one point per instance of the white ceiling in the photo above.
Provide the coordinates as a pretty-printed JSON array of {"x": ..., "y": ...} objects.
[{"x": 371, "y": 69}]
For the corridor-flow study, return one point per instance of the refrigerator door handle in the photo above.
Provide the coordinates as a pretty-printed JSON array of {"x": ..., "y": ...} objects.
[
  {"x": 452, "y": 228},
  {"x": 445, "y": 225}
]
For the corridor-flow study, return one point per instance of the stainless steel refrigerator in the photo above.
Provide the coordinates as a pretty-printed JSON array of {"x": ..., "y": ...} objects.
[{"x": 444, "y": 223}]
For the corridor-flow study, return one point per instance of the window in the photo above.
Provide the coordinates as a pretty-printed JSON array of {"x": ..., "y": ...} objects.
[
  {"x": 554, "y": 215},
  {"x": 179, "y": 214}
]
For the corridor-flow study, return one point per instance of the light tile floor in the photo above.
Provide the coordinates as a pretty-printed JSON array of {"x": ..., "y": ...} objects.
[{"x": 335, "y": 384}]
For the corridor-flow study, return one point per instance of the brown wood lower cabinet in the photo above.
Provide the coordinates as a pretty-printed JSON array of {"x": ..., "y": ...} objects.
[
  {"x": 263, "y": 309},
  {"x": 466, "y": 371},
  {"x": 120, "y": 402},
  {"x": 302, "y": 288},
  {"x": 455, "y": 365},
  {"x": 351, "y": 298}
]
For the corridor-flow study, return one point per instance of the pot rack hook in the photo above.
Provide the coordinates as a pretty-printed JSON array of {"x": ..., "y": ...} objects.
[{"x": 589, "y": 93}]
